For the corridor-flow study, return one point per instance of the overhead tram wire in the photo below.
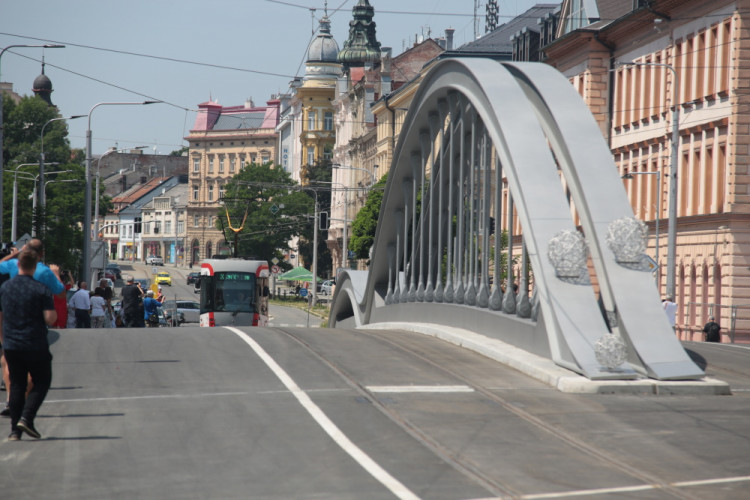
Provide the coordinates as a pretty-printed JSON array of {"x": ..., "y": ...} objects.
[
  {"x": 471, "y": 15},
  {"x": 160, "y": 58},
  {"x": 119, "y": 87}
]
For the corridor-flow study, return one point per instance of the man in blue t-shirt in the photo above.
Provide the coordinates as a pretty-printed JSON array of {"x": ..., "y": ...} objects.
[
  {"x": 26, "y": 309},
  {"x": 49, "y": 276}
]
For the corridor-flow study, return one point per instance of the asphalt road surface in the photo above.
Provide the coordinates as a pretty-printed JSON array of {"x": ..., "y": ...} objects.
[{"x": 222, "y": 413}]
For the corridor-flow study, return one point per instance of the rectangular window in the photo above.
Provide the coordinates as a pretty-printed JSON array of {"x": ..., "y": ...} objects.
[
  {"x": 328, "y": 121},
  {"x": 196, "y": 164},
  {"x": 221, "y": 164},
  {"x": 167, "y": 226},
  {"x": 222, "y": 191},
  {"x": 232, "y": 162},
  {"x": 243, "y": 158},
  {"x": 196, "y": 221},
  {"x": 264, "y": 159},
  {"x": 210, "y": 164},
  {"x": 311, "y": 119},
  {"x": 252, "y": 158},
  {"x": 195, "y": 193},
  {"x": 210, "y": 192},
  {"x": 310, "y": 155},
  {"x": 157, "y": 227},
  {"x": 180, "y": 227}
]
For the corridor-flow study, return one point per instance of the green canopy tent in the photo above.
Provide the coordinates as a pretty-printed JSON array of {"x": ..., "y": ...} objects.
[
  {"x": 306, "y": 277},
  {"x": 293, "y": 274}
]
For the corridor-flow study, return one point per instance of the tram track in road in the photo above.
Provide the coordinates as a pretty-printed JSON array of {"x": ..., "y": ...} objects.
[
  {"x": 460, "y": 462},
  {"x": 463, "y": 465}
]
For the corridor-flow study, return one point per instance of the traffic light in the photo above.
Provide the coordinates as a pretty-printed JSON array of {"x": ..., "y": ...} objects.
[
  {"x": 137, "y": 225},
  {"x": 323, "y": 221}
]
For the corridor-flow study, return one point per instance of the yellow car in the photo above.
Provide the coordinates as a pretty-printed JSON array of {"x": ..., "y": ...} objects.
[{"x": 163, "y": 278}]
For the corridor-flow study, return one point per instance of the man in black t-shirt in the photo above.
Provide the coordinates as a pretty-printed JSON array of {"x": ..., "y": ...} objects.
[
  {"x": 26, "y": 309},
  {"x": 132, "y": 305},
  {"x": 712, "y": 329}
]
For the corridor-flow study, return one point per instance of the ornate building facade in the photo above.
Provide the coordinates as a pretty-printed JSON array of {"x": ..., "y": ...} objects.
[
  {"x": 633, "y": 64},
  {"x": 222, "y": 141}
]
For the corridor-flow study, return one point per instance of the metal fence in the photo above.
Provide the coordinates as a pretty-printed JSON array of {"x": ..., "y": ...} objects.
[{"x": 695, "y": 316}]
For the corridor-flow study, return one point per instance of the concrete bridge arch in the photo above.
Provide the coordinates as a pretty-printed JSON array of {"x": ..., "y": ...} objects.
[{"x": 487, "y": 141}]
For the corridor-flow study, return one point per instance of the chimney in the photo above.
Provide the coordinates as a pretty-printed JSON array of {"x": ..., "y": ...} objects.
[
  {"x": 449, "y": 38},
  {"x": 385, "y": 70}
]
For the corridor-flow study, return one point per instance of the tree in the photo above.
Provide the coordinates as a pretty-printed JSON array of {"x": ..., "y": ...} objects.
[
  {"x": 180, "y": 152},
  {"x": 318, "y": 178},
  {"x": 366, "y": 221},
  {"x": 269, "y": 202},
  {"x": 22, "y": 144}
]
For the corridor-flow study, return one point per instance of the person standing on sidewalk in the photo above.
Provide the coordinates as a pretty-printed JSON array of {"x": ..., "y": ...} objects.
[
  {"x": 132, "y": 305},
  {"x": 80, "y": 302},
  {"x": 99, "y": 318},
  {"x": 712, "y": 330},
  {"x": 26, "y": 309}
]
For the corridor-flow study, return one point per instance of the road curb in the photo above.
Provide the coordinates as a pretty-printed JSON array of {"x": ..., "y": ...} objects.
[{"x": 546, "y": 371}]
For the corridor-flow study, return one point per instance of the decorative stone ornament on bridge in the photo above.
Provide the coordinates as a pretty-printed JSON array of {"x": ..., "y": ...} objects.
[{"x": 513, "y": 142}]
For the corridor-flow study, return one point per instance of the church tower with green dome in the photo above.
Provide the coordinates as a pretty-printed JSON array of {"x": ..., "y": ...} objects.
[{"x": 362, "y": 45}]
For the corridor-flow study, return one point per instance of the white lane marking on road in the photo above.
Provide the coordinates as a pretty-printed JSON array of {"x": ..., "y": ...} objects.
[
  {"x": 364, "y": 460},
  {"x": 625, "y": 489},
  {"x": 179, "y": 396},
  {"x": 419, "y": 388}
]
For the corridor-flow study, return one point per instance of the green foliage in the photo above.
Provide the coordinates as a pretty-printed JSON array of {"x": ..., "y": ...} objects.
[
  {"x": 366, "y": 222},
  {"x": 179, "y": 152},
  {"x": 22, "y": 143},
  {"x": 276, "y": 211}
]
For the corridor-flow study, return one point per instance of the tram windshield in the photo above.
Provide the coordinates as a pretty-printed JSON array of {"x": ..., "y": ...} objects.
[{"x": 228, "y": 291}]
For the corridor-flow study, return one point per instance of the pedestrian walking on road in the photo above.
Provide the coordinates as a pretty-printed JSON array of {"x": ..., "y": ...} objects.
[
  {"x": 26, "y": 308},
  {"x": 49, "y": 276},
  {"x": 712, "y": 329},
  {"x": 80, "y": 302}
]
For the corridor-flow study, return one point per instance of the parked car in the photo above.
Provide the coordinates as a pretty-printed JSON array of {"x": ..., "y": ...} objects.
[
  {"x": 326, "y": 288},
  {"x": 154, "y": 261},
  {"x": 193, "y": 277},
  {"x": 145, "y": 283},
  {"x": 108, "y": 273},
  {"x": 110, "y": 283},
  {"x": 114, "y": 269},
  {"x": 163, "y": 278},
  {"x": 189, "y": 309},
  {"x": 168, "y": 318}
]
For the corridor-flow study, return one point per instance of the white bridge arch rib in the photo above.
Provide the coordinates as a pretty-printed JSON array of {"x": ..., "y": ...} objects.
[{"x": 469, "y": 119}]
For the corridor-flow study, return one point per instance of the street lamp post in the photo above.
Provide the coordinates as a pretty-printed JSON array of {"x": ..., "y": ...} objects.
[
  {"x": 672, "y": 226},
  {"x": 2, "y": 166},
  {"x": 15, "y": 198},
  {"x": 50, "y": 181},
  {"x": 86, "y": 265},
  {"x": 14, "y": 225},
  {"x": 657, "y": 173},
  {"x": 42, "y": 199},
  {"x": 30, "y": 177}
]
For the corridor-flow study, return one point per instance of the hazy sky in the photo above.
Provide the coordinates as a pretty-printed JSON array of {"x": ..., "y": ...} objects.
[{"x": 185, "y": 52}]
